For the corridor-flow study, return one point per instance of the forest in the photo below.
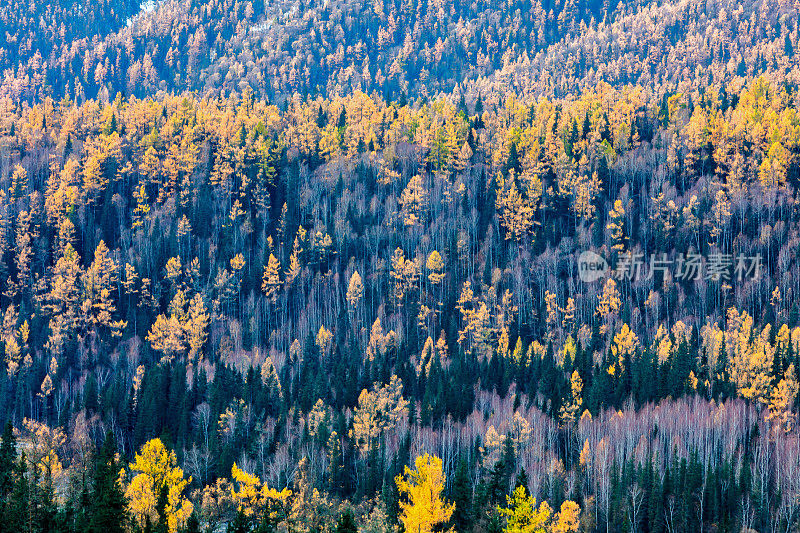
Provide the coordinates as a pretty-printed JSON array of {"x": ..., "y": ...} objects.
[{"x": 322, "y": 267}]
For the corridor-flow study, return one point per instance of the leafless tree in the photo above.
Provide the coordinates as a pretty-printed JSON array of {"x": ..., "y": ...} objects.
[
  {"x": 202, "y": 420},
  {"x": 635, "y": 500}
]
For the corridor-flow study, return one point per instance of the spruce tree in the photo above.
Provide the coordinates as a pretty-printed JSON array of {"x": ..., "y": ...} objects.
[
  {"x": 522, "y": 480},
  {"x": 20, "y": 506},
  {"x": 462, "y": 497},
  {"x": 347, "y": 523},
  {"x": 161, "y": 509},
  {"x": 108, "y": 506},
  {"x": 8, "y": 454},
  {"x": 193, "y": 524}
]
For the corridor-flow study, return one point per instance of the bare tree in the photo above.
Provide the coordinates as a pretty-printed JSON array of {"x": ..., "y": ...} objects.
[
  {"x": 199, "y": 462},
  {"x": 635, "y": 500},
  {"x": 202, "y": 421},
  {"x": 669, "y": 514}
]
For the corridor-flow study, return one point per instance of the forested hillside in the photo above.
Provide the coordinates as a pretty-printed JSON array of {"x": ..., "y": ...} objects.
[
  {"x": 398, "y": 47},
  {"x": 326, "y": 267}
]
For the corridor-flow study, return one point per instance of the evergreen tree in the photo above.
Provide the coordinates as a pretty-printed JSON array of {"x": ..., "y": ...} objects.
[
  {"x": 347, "y": 523},
  {"x": 108, "y": 504},
  {"x": 522, "y": 480},
  {"x": 20, "y": 508},
  {"x": 161, "y": 509},
  {"x": 8, "y": 455},
  {"x": 462, "y": 497},
  {"x": 193, "y": 524}
]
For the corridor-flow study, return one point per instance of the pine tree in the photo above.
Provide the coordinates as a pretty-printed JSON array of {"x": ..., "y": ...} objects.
[
  {"x": 193, "y": 524},
  {"x": 347, "y": 523},
  {"x": 109, "y": 507},
  {"x": 336, "y": 466},
  {"x": 522, "y": 480},
  {"x": 20, "y": 507},
  {"x": 162, "y": 526},
  {"x": 522, "y": 514},
  {"x": 462, "y": 497},
  {"x": 8, "y": 456}
]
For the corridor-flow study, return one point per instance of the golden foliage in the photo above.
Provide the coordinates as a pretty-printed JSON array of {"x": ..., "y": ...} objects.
[
  {"x": 572, "y": 404},
  {"x": 270, "y": 281},
  {"x": 516, "y": 210},
  {"x": 522, "y": 515},
  {"x": 157, "y": 468},
  {"x": 782, "y": 401},
  {"x": 414, "y": 202},
  {"x": 355, "y": 289},
  {"x": 423, "y": 509},
  {"x": 378, "y": 411}
]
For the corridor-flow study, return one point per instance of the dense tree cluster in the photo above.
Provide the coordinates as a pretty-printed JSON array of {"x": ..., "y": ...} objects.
[
  {"x": 315, "y": 266},
  {"x": 298, "y": 302},
  {"x": 417, "y": 48}
]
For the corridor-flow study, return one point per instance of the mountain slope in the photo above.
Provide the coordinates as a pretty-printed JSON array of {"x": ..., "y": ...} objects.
[{"x": 415, "y": 47}]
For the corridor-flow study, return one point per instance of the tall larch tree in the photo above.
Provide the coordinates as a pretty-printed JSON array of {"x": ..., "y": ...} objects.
[{"x": 423, "y": 508}]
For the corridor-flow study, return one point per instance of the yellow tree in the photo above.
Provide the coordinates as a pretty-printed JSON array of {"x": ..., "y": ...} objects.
[
  {"x": 269, "y": 375},
  {"x": 245, "y": 493},
  {"x": 41, "y": 444},
  {"x": 142, "y": 208},
  {"x": 216, "y": 502},
  {"x": 294, "y": 262},
  {"x": 378, "y": 410},
  {"x": 608, "y": 305},
  {"x": 25, "y": 236},
  {"x": 772, "y": 171},
  {"x": 781, "y": 405},
  {"x": 196, "y": 327},
  {"x": 568, "y": 312},
  {"x": 405, "y": 273},
  {"x": 625, "y": 344},
  {"x": 568, "y": 519},
  {"x": 414, "y": 202},
  {"x": 721, "y": 214},
  {"x": 95, "y": 169},
  {"x": 355, "y": 289},
  {"x": 271, "y": 281},
  {"x": 99, "y": 281},
  {"x": 551, "y": 305},
  {"x": 157, "y": 470},
  {"x": 516, "y": 212},
  {"x": 573, "y": 403},
  {"x": 476, "y": 318},
  {"x": 435, "y": 266},
  {"x": 616, "y": 226},
  {"x": 251, "y": 496},
  {"x": 324, "y": 341},
  {"x": 751, "y": 361},
  {"x": 584, "y": 194},
  {"x": 523, "y": 516},
  {"x": 65, "y": 291},
  {"x": 19, "y": 182},
  {"x": 168, "y": 334},
  {"x": 424, "y": 509}
]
